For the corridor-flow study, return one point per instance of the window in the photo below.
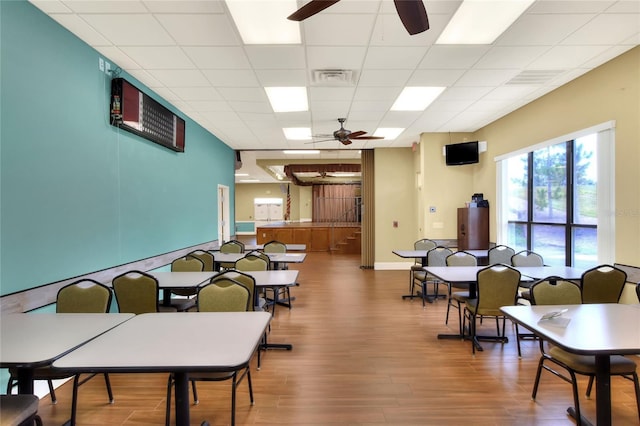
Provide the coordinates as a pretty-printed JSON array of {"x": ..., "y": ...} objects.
[{"x": 550, "y": 202}]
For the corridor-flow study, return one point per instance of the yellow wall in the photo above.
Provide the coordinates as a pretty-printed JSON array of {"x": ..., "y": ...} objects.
[
  {"x": 395, "y": 200},
  {"x": 247, "y": 192},
  {"x": 610, "y": 92}
]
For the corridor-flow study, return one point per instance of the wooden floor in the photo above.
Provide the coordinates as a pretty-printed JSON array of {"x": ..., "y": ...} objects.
[{"x": 361, "y": 356}]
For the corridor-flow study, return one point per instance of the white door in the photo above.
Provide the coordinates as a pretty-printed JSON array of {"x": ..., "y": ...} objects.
[{"x": 224, "y": 231}]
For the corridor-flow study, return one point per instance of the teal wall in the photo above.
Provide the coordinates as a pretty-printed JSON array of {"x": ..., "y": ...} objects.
[{"x": 78, "y": 195}]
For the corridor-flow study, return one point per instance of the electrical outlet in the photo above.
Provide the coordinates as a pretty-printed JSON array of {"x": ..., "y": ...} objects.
[
  {"x": 107, "y": 68},
  {"x": 101, "y": 64}
]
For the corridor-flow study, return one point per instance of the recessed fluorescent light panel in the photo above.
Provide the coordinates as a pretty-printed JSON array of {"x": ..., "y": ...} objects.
[
  {"x": 287, "y": 99},
  {"x": 249, "y": 180},
  {"x": 389, "y": 133},
  {"x": 241, "y": 174},
  {"x": 416, "y": 98},
  {"x": 482, "y": 21},
  {"x": 297, "y": 133},
  {"x": 263, "y": 22},
  {"x": 301, "y": 151}
]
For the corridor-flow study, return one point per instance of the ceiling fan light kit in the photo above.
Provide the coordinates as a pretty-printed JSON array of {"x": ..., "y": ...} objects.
[{"x": 345, "y": 136}]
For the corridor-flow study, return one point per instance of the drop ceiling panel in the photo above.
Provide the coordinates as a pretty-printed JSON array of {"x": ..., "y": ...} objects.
[
  {"x": 80, "y": 28},
  {"x": 200, "y": 29},
  {"x": 130, "y": 30},
  {"x": 394, "y": 57},
  {"x": 542, "y": 30},
  {"x": 159, "y": 57},
  {"x": 276, "y": 57},
  {"x": 621, "y": 27},
  {"x": 339, "y": 57},
  {"x": 231, "y": 78},
  {"x": 282, "y": 78},
  {"x": 184, "y": 6},
  {"x": 493, "y": 77},
  {"x": 384, "y": 78},
  {"x": 317, "y": 31},
  {"x": 180, "y": 78},
  {"x": 435, "y": 77},
  {"x": 562, "y": 57},
  {"x": 217, "y": 57},
  {"x": 510, "y": 57},
  {"x": 197, "y": 93},
  {"x": 452, "y": 57}
]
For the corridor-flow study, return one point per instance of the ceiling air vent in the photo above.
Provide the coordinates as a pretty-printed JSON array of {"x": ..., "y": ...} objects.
[
  {"x": 333, "y": 77},
  {"x": 535, "y": 77}
]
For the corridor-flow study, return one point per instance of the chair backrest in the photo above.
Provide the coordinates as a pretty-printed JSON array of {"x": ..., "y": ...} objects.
[
  {"x": 84, "y": 296},
  {"x": 461, "y": 258},
  {"x": 424, "y": 244},
  {"x": 500, "y": 254},
  {"x": 245, "y": 279},
  {"x": 187, "y": 264},
  {"x": 275, "y": 247},
  {"x": 223, "y": 295},
  {"x": 205, "y": 257},
  {"x": 437, "y": 256},
  {"x": 251, "y": 263},
  {"x": 136, "y": 292},
  {"x": 232, "y": 246},
  {"x": 555, "y": 291},
  {"x": 603, "y": 284},
  {"x": 527, "y": 258},
  {"x": 497, "y": 286}
]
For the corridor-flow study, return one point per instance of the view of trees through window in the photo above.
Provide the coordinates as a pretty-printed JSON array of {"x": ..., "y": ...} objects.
[{"x": 552, "y": 199}]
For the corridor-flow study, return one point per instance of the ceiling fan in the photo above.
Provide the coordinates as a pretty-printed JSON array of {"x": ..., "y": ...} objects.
[
  {"x": 345, "y": 136},
  {"x": 412, "y": 13}
]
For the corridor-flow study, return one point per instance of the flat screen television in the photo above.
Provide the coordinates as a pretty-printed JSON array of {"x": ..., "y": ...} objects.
[{"x": 462, "y": 153}]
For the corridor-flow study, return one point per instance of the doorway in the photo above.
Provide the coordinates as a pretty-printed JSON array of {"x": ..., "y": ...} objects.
[{"x": 224, "y": 229}]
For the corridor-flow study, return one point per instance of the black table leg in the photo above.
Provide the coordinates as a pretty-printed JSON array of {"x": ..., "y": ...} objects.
[
  {"x": 25, "y": 381},
  {"x": 182, "y": 398}
]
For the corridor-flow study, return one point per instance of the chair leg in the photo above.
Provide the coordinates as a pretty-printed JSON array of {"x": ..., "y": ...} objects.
[
  {"x": 636, "y": 384},
  {"x": 52, "y": 392},
  {"x": 196, "y": 400},
  {"x": 576, "y": 397},
  {"x": 590, "y": 386},
  {"x": 518, "y": 341},
  {"x": 536, "y": 383},
  {"x": 107, "y": 382}
]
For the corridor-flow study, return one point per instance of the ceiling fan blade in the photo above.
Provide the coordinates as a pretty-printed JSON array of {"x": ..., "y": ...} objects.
[
  {"x": 357, "y": 134},
  {"x": 366, "y": 137},
  {"x": 310, "y": 9},
  {"x": 346, "y": 142},
  {"x": 323, "y": 140},
  {"x": 413, "y": 15}
]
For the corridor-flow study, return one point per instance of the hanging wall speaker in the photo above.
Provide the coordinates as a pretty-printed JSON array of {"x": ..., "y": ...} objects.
[{"x": 238, "y": 161}]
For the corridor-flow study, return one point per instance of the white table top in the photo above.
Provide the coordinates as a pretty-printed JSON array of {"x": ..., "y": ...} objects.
[
  {"x": 31, "y": 340},
  {"x": 274, "y": 278},
  {"x": 249, "y": 247},
  {"x": 417, "y": 254},
  {"x": 275, "y": 257},
  {"x": 609, "y": 328},
  {"x": 270, "y": 278},
  {"x": 200, "y": 341},
  {"x": 455, "y": 274},
  {"x": 538, "y": 272},
  {"x": 465, "y": 274},
  {"x": 181, "y": 279}
]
